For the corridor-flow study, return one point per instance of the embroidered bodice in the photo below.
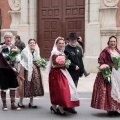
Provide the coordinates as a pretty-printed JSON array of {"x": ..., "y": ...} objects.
[{"x": 114, "y": 54}]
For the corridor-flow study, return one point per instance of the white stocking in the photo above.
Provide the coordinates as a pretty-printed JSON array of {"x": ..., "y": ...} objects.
[{"x": 21, "y": 101}]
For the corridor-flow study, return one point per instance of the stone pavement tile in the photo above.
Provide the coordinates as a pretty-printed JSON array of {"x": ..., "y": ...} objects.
[
  {"x": 45, "y": 80},
  {"x": 85, "y": 84}
]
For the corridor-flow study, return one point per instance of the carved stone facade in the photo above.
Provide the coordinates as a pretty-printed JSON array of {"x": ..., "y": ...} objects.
[
  {"x": 15, "y": 13},
  {"x": 111, "y": 3},
  {"x": 108, "y": 10},
  {"x": 15, "y": 5},
  {"x": 101, "y": 17},
  {"x": 100, "y": 25}
]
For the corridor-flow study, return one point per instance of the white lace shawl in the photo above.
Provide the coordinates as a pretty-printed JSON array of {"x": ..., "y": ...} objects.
[
  {"x": 115, "y": 80},
  {"x": 54, "y": 51},
  {"x": 27, "y": 59}
]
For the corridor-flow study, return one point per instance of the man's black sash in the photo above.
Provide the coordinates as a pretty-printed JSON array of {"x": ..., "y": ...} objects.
[{"x": 4, "y": 64}]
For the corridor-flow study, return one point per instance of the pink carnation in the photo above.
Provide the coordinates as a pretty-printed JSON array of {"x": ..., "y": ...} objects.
[
  {"x": 104, "y": 66},
  {"x": 60, "y": 59}
]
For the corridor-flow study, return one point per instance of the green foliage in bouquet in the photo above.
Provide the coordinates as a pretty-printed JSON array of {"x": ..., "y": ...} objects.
[
  {"x": 67, "y": 61},
  {"x": 12, "y": 54},
  {"x": 116, "y": 62},
  {"x": 106, "y": 72},
  {"x": 41, "y": 62}
]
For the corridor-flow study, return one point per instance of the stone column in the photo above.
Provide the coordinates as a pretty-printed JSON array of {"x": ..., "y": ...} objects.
[
  {"x": 24, "y": 11},
  {"x": 92, "y": 34},
  {"x": 23, "y": 29},
  {"x": 108, "y": 10},
  {"x": 15, "y": 15},
  {"x": 32, "y": 18}
]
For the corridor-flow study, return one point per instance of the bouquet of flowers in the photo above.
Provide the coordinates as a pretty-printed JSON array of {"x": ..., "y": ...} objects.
[
  {"x": 116, "y": 62},
  {"x": 62, "y": 60},
  {"x": 105, "y": 69},
  {"x": 41, "y": 62},
  {"x": 12, "y": 54}
]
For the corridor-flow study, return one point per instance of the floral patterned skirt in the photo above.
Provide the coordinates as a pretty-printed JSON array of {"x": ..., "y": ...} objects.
[
  {"x": 31, "y": 88},
  {"x": 101, "y": 96}
]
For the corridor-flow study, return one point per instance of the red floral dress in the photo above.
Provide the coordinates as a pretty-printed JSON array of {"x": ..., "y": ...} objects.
[{"x": 101, "y": 96}]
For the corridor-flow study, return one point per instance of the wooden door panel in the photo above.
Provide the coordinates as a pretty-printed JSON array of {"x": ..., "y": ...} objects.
[
  {"x": 58, "y": 18},
  {"x": 74, "y": 17},
  {"x": 45, "y": 3},
  {"x": 50, "y": 8},
  {"x": 49, "y": 30},
  {"x": 80, "y": 3},
  {"x": 75, "y": 25},
  {"x": 49, "y": 24}
]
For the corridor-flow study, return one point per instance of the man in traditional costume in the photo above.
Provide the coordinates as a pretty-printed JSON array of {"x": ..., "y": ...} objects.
[
  {"x": 8, "y": 74},
  {"x": 74, "y": 54}
]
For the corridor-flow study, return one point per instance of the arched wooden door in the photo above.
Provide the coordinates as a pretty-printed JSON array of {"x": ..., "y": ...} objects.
[{"x": 58, "y": 18}]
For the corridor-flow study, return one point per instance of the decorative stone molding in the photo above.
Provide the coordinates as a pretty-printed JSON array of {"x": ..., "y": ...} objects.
[
  {"x": 111, "y": 3},
  {"x": 108, "y": 17},
  {"x": 109, "y": 32},
  {"x": 15, "y": 5},
  {"x": 15, "y": 15},
  {"x": 108, "y": 12}
]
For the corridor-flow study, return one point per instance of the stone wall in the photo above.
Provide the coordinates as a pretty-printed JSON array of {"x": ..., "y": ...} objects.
[
  {"x": 118, "y": 15},
  {"x": 6, "y": 18},
  {"x": 92, "y": 35}
]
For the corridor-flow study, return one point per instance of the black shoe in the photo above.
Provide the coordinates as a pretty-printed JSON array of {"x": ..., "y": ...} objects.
[
  {"x": 30, "y": 106},
  {"x": 72, "y": 110},
  {"x": 87, "y": 74},
  {"x": 21, "y": 106},
  {"x": 63, "y": 114},
  {"x": 116, "y": 113},
  {"x": 52, "y": 109},
  {"x": 111, "y": 113},
  {"x": 66, "y": 109}
]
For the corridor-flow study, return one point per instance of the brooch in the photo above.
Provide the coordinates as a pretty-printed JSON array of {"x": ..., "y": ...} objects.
[
  {"x": 72, "y": 53},
  {"x": 77, "y": 51}
]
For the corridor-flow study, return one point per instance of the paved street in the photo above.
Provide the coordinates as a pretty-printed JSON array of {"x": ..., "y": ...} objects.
[
  {"x": 85, "y": 83},
  {"x": 85, "y": 112}
]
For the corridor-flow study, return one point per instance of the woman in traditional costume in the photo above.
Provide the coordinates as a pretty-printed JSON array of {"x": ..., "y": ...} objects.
[
  {"x": 62, "y": 88},
  {"x": 32, "y": 86},
  {"x": 8, "y": 73},
  {"x": 106, "y": 95}
]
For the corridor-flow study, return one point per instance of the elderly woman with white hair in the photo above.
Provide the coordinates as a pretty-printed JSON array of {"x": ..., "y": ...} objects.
[{"x": 8, "y": 74}]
